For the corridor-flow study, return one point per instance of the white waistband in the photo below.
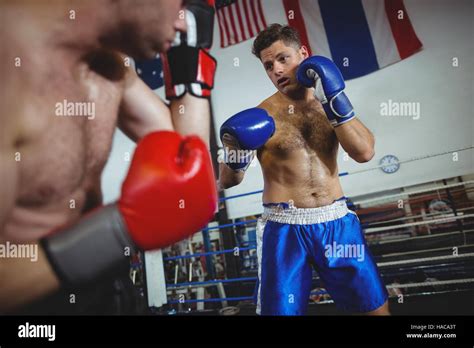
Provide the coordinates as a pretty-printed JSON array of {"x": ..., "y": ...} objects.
[{"x": 306, "y": 216}]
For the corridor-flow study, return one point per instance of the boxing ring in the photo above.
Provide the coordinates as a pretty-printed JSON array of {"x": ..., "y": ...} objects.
[{"x": 422, "y": 254}]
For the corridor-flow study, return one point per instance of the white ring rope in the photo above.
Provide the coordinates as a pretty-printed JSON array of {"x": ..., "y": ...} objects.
[
  {"x": 413, "y": 159},
  {"x": 425, "y": 259},
  {"x": 431, "y": 283},
  {"x": 381, "y": 242},
  {"x": 427, "y": 222},
  {"x": 414, "y": 252},
  {"x": 418, "y": 216},
  {"x": 407, "y": 193}
]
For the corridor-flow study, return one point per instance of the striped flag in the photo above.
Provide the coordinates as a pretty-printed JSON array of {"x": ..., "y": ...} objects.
[
  {"x": 239, "y": 20},
  {"x": 360, "y": 36}
]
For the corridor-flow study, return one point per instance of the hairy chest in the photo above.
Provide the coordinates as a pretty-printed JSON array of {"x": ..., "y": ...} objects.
[
  {"x": 69, "y": 120},
  {"x": 302, "y": 128}
]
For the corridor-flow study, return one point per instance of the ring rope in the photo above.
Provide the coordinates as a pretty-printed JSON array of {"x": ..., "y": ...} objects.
[
  {"x": 218, "y": 227},
  {"x": 406, "y": 193},
  {"x": 424, "y": 259},
  {"x": 210, "y": 282},
  {"x": 363, "y": 170},
  {"x": 422, "y": 237},
  {"x": 212, "y": 300},
  {"x": 222, "y": 299},
  {"x": 240, "y": 195},
  {"x": 248, "y": 222},
  {"x": 322, "y": 292},
  {"x": 189, "y": 256},
  {"x": 418, "y": 158},
  {"x": 380, "y": 264},
  {"x": 431, "y": 283},
  {"x": 409, "y": 217},
  {"x": 414, "y": 252},
  {"x": 428, "y": 222}
]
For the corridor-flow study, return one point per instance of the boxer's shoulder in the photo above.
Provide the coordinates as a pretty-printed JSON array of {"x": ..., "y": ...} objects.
[
  {"x": 107, "y": 63},
  {"x": 270, "y": 105}
]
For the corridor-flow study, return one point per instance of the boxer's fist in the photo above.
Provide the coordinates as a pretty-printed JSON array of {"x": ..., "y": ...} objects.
[
  {"x": 244, "y": 132},
  {"x": 322, "y": 74},
  {"x": 170, "y": 191}
]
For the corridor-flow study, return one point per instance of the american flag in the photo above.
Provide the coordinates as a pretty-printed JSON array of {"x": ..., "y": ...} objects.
[
  {"x": 151, "y": 72},
  {"x": 239, "y": 20}
]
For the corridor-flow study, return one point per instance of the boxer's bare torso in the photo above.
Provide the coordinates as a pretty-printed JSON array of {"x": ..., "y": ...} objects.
[
  {"x": 53, "y": 52},
  {"x": 60, "y": 157},
  {"x": 299, "y": 162}
]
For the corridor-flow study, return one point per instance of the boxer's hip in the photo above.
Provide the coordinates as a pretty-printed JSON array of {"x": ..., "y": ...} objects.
[{"x": 286, "y": 213}]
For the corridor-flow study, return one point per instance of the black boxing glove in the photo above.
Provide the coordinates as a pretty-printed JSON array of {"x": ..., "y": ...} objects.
[{"x": 188, "y": 66}]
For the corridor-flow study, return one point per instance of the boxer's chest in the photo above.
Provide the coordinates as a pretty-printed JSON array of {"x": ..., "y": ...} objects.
[
  {"x": 74, "y": 114},
  {"x": 303, "y": 128}
]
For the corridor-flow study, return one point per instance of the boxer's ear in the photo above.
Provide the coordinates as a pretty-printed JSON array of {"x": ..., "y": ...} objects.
[{"x": 304, "y": 51}]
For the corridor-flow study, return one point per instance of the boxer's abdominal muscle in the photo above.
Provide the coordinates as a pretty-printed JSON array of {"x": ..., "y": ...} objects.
[
  {"x": 62, "y": 157},
  {"x": 299, "y": 162}
]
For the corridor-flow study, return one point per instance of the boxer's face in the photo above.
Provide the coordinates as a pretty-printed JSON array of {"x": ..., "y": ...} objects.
[
  {"x": 151, "y": 25},
  {"x": 281, "y": 62}
]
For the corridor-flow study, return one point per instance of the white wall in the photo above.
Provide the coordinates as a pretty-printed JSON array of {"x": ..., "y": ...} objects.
[{"x": 445, "y": 94}]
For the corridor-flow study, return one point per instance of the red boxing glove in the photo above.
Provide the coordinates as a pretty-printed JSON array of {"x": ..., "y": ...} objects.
[{"x": 170, "y": 190}]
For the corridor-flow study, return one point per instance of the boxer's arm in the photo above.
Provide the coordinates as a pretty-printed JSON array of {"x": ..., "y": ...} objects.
[
  {"x": 141, "y": 110},
  {"x": 325, "y": 77},
  {"x": 228, "y": 177},
  {"x": 189, "y": 70},
  {"x": 357, "y": 140},
  {"x": 191, "y": 115},
  {"x": 24, "y": 280}
]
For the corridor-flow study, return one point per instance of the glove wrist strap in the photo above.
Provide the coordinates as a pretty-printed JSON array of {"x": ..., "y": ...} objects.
[
  {"x": 339, "y": 109},
  {"x": 237, "y": 159},
  {"x": 188, "y": 69},
  {"x": 96, "y": 245}
]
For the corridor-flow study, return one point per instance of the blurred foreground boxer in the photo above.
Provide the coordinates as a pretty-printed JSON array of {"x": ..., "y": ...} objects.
[
  {"x": 306, "y": 222},
  {"x": 67, "y": 58}
]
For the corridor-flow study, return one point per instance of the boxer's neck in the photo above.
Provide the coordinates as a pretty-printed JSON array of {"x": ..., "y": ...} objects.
[
  {"x": 90, "y": 22},
  {"x": 298, "y": 96}
]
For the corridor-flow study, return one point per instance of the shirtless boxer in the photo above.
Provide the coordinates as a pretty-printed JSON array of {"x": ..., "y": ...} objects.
[
  {"x": 297, "y": 135},
  {"x": 74, "y": 50}
]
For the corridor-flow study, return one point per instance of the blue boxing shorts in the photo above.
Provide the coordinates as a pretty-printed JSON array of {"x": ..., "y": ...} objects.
[{"x": 292, "y": 241}]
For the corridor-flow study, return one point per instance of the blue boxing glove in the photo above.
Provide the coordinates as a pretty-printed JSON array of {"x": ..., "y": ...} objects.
[
  {"x": 322, "y": 74},
  {"x": 244, "y": 133}
]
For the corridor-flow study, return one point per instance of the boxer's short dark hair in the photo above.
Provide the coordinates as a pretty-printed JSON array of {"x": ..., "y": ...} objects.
[{"x": 273, "y": 33}]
